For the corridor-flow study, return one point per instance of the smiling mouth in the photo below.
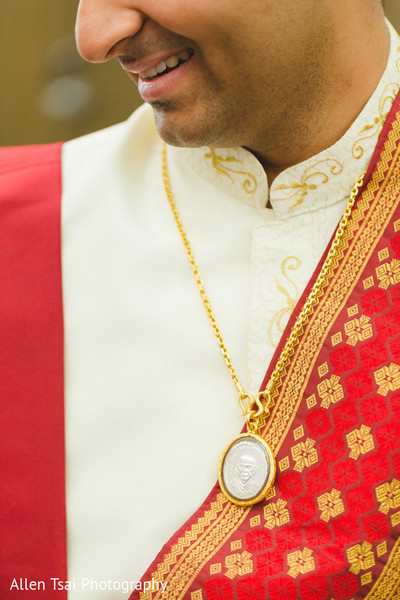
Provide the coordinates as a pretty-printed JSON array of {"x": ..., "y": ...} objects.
[{"x": 168, "y": 65}]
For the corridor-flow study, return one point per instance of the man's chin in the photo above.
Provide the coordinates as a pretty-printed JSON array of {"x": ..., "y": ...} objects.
[{"x": 177, "y": 129}]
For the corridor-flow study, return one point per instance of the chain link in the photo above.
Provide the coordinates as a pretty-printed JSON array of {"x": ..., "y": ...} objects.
[
  {"x": 199, "y": 281},
  {"x": 266, "y": 395}
]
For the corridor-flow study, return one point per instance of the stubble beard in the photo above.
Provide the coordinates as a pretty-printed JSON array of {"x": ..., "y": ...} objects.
[{"x": 216, "y": 122}]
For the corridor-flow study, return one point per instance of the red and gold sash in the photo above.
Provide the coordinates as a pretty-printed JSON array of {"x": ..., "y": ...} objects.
[{"x": 330, "y": 527}]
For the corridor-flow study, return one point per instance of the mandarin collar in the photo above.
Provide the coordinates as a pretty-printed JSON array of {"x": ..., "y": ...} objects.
[{"x": 322, "y": 180}]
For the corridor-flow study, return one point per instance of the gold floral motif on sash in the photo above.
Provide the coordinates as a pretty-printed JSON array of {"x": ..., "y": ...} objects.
[
  {"x": 304, "y": 454},
  {"x": 388, "y": 379},
  {"x": 330, "y": 391},
  {"x": 360, "y": 441},
  {"x": 300, "y": 562},
  {"x": 330, "y": 504},
  {"x": 388, "y": 496},
  {"x": 388, "y": 273},
  {"x": 238, "y": 564},
  {"x": 360, "y": 557},
  {"x": 276, "y": 514},
  {"x": 358, "y": 330}
]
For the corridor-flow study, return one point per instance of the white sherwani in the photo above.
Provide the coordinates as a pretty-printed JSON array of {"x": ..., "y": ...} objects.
[{"x": 150, "y": 405}]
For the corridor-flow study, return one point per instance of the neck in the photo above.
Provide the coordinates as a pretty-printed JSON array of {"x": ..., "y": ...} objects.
[{"x": 357, "y": 59}]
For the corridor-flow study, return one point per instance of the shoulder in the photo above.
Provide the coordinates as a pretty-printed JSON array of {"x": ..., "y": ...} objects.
[
  {"x": 24, "y": 170},
  {"x": 23, "y": 158},
  {"x": 123, "y": 146}
]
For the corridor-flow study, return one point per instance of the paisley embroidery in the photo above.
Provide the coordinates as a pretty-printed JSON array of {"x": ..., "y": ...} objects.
[
  {"x": 372, "y": 129},
  {"x": 218, "y": 162},
  {"x": 316, "y": 174}
]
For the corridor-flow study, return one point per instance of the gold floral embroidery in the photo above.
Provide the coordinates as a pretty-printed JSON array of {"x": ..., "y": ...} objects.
[
  {"x": 372, "y": 130},
  {"x": 330, "y": 391},
  {"x": 238, "y": 564},
  {"x": 306, "y": 184},
  {"x": 361, "y": 558},
  {"x": 358, "y": 330},
  {"x": 330, "y": 504},
  {"x": 276, "y": 514},
  {"x": 249, "y": 184},
  {"x": 300, "y": 562},
  {"x": 304, "y": 454},
  {"x": 388, "y": 273},
  {"x": 197, "y": 595},
  {"x": 388, "y": 496},
  {"x": 291, "y": 263},
  {"x": 360, "y": 441},
  {"x": 388, "y": 379}
]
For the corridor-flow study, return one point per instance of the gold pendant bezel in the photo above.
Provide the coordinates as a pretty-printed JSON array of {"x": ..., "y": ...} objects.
[{"x": 266, "y": 485}]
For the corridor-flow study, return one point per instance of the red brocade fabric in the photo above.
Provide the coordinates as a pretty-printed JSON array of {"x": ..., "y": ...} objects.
[
  {"x": 330, "y": 528},
  {"x": 32, "y": 492}
]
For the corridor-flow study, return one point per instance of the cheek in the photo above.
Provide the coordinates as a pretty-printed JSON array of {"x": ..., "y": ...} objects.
[{"x": 202, "y": 22}]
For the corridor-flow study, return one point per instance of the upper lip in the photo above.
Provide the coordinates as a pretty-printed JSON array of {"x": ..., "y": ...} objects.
[{"x": 141, "y": 65}]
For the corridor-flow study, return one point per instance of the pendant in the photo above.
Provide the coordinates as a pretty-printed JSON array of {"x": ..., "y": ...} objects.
[{"x": 247, "y": 470}]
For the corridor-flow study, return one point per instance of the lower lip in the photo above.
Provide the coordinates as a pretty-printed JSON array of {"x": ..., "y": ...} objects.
[{"x": 164, "y": 86}]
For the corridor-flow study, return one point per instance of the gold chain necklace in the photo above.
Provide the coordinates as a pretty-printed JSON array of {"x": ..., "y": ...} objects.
[{"x": 247, "y": 468}]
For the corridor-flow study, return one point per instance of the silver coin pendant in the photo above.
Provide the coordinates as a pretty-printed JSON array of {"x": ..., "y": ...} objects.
[{"x": 247, "y": 470}]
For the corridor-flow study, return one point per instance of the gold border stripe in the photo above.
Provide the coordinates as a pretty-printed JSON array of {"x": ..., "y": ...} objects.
[{"x": 387, "y": 585}]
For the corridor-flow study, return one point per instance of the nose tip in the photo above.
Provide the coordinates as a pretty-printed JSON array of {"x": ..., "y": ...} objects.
[{"x": 101, "y": 27}]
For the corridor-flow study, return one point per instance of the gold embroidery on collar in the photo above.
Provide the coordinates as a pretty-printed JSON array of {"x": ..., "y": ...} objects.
[
  {"x": 301, "y": 189},
  {"x": 398, "y": 51},
  {"x": 293, "y": 263},
  {"x": 373, "y": 129},
  {"x": 249, "y": 184}
]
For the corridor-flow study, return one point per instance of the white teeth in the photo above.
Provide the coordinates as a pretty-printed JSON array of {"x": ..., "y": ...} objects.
[
  {"x": 170, "y": 63},
  {"x": 161, "y": 67},
  {"x": 150, "y": 72},
  {"x": 184, "y": 55}
]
